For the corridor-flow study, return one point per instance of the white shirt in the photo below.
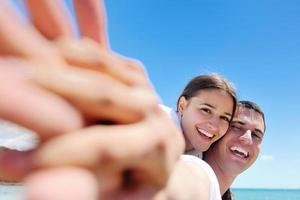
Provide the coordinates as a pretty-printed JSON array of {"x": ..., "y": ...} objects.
[{"x": 214, "y": 184}]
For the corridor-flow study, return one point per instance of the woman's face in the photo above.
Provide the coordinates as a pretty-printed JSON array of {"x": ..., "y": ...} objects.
[{"x": 205, "y": 117}]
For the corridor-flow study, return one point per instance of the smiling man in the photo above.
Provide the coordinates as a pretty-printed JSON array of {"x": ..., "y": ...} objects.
[{"x": 240, "y": 146}]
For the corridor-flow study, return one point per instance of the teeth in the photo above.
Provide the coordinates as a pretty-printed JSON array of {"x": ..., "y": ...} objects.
[
  {"x": 240, "y": 151},
  {"x": 207, "y": 134}
]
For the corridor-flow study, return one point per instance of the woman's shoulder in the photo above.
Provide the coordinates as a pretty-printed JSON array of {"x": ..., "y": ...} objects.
[{"x": 214, "y": 184}]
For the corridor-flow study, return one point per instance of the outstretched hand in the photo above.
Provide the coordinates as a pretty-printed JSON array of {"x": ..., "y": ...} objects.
[{"x": 67, "y": 83}]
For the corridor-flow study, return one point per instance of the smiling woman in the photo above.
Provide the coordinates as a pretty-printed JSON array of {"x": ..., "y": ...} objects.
[{"x": 204, "y": 111}]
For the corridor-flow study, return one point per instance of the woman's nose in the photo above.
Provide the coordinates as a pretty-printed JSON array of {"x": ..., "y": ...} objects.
[{"x": 214, "y": 124}]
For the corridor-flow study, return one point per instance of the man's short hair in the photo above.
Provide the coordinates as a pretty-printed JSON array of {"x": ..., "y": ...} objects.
[{"x": 255, "y": 107}]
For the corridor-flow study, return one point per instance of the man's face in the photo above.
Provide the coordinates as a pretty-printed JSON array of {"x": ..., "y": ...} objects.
[{"x": 240, "y": 146}]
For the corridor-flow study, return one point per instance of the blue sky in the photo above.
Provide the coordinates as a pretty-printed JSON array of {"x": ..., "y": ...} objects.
[{"x": 255, "y": 44}]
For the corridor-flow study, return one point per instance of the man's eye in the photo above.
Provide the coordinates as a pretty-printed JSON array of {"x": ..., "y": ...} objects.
[
  {"x": 234, "y": 127},
  {"x": 256, "y": 135}
]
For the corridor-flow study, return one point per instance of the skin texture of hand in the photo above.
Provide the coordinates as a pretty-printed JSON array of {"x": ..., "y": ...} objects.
[
  {"x": 140, "y": 169},
  {"x": 49, "y": 69},
  {"x": 65, "y": 183},
  {"x": 66, "y": 83}
]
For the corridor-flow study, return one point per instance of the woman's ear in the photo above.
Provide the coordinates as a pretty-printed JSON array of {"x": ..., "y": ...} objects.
[{"x": 182, "y": 103}]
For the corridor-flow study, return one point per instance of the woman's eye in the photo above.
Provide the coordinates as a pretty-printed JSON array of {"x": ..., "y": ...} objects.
[
  {"x": 226, "y": 119},
  {"x": 206, "y": 110}
]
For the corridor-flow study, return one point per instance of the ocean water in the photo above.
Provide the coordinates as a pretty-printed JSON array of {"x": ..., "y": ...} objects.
[
  {"x": 8, "y": 192},
  {"x": 266, "y": 194}
]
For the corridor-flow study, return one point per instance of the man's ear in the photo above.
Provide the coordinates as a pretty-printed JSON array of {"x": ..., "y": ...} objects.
[{"x": 182, "y": 103}]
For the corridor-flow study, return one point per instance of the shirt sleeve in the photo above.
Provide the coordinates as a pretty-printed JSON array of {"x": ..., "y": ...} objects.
[{"x": 214, "y": 184}]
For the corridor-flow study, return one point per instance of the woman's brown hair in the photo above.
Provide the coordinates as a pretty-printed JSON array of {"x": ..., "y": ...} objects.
[{"x": 204, "y": 82}]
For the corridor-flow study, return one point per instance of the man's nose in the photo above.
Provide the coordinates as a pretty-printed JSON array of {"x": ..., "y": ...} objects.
[{"x": 246, "y": 137}]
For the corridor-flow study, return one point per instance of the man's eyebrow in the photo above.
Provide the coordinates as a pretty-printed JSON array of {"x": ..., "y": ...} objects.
[
  {"x": 243, "y": 123},
  {"x": 238, "y": 122}
]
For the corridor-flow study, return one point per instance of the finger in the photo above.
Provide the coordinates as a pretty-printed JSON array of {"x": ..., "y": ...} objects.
[
  {"x": 92, "y": 20},
  {"x": 97, "y": 95},
  {"x": 28, "y": 44},
  {"x": 63, "y": 183},
  {"x": 137, "y": 67},
  {"x": 13, "y": 165},
  {"x": 143, "y": 146},
  {"x": 93, "y": 56},
  {"x": 125, "y": 186},
  {"x": 109, "y": 181},
  {"x": 50, "y": 18},
  {"x": 108, "y": 148},
  {"x": 91, "y": 152},
  {"x": 28, "y": 105},
  {"x": 99, "y": 145},
  {"x": 96, "y": 145}
]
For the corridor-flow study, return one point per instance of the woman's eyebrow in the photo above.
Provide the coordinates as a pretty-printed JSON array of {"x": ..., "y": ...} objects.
[
  {"x": 228, "y": 114},
  {"x": 213, "y": 107},
  {"x": 209, "y": 105}
]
